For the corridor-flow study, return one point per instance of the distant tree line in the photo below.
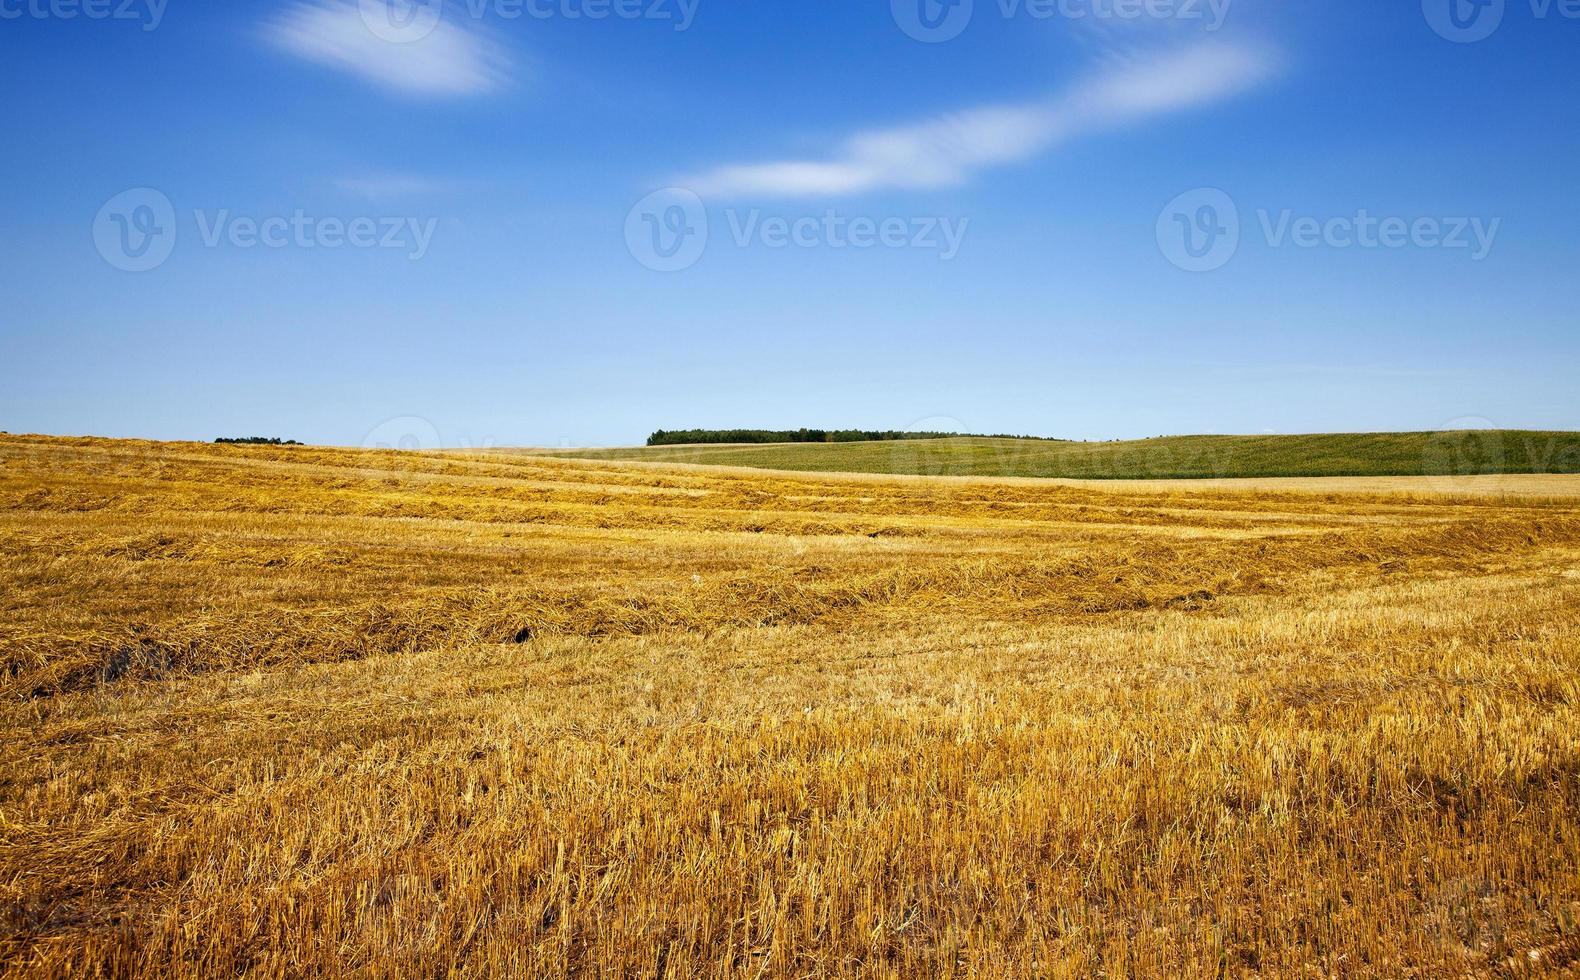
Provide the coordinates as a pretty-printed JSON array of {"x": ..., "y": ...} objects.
[
  {"x": 678, "y": 437},
  {"x": 257, "y": 441}
]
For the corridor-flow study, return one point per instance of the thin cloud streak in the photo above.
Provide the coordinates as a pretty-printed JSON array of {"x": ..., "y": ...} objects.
[
  {"x": 951, "y": 149},
  {"x": 448, "y": 60}
]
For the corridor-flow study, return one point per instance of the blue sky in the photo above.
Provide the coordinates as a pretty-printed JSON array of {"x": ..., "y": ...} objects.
[{"x": 503, "y": 223}]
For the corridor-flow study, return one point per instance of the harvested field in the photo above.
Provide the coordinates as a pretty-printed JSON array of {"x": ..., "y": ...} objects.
[{"x": 313, "y": 711}]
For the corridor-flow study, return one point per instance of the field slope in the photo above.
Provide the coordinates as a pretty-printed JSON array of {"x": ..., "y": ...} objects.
[
  {"x": 294, "y": 711},
  {"x": 1174, "y": 457}
]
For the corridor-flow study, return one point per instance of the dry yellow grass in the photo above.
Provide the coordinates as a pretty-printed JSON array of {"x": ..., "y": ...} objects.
[{"x": 309, "y": 712}]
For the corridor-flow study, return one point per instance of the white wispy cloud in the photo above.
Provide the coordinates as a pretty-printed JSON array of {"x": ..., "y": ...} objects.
[
  {"x": 444, "y": 59},
  {"x": 950, "y": 149}
]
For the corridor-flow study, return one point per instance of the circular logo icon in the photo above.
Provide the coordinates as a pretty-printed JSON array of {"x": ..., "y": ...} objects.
[
  {"x": 1464, "y": 21},
  {"x": 135, "y": 230},
  {"x": 1199, "y": 231},
  {"x": 1464, "y": 448},
  {"x": 932, "y": 21},
  {"x": 667, "y": 230},
  {"x": 930, "y": 457},
  {"x": 407, "y": 434},
  {"x": 401, "y": 21}
]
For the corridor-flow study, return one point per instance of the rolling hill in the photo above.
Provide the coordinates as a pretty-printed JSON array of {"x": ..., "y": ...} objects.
[{"x": 1465, "y": 453}]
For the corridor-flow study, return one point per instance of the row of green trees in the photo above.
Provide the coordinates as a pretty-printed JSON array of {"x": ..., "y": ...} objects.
[
  {"x": 257, "y": 441},
  {"x": 678, "y": 437}
]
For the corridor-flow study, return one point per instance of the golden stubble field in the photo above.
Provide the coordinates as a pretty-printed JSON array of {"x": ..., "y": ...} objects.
[{"x": 292, "y": 711}]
